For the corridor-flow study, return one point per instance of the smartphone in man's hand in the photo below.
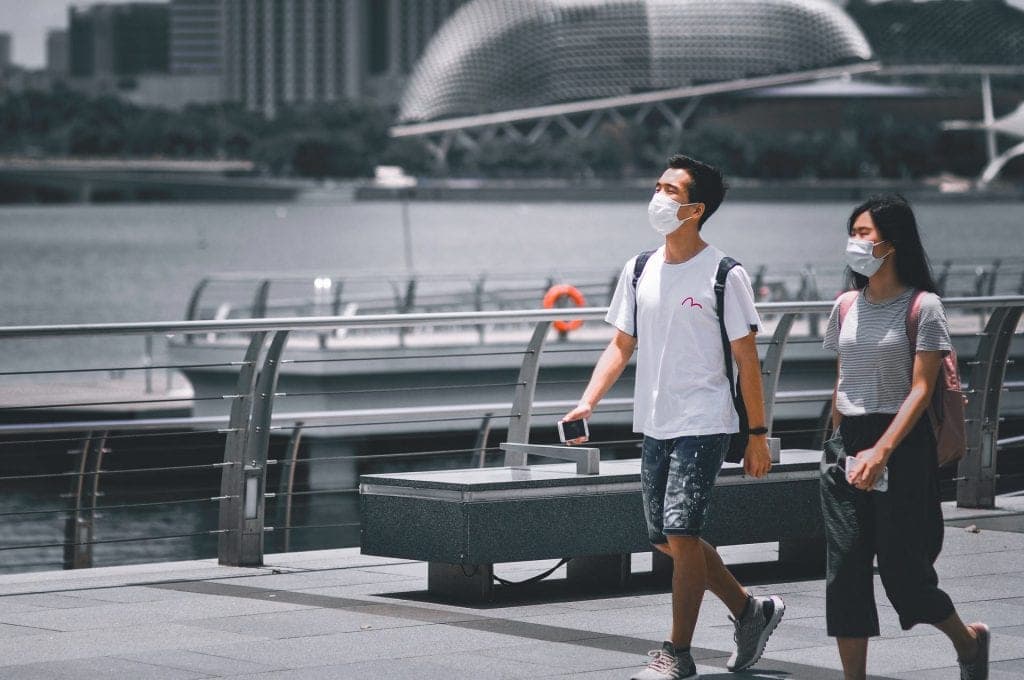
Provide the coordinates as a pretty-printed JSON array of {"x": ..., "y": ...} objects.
[{"x": 568, "y": 430}]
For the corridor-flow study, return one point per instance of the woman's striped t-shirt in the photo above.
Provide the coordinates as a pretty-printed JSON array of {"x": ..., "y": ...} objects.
[{"x": 874, "y": 352}]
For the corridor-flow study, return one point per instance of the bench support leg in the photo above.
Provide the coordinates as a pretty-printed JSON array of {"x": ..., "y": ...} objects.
[
  {"x": 806, "y": 552},
  {"x": 464, "y": 582},
  {"x": 599, "y": 572}
]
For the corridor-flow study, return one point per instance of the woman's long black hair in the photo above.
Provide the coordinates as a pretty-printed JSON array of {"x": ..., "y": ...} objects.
[{"x": 895, "y": 221}]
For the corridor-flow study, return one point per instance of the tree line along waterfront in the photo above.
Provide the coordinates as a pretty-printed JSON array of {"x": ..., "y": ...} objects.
[{"x": 348, "y": 139}]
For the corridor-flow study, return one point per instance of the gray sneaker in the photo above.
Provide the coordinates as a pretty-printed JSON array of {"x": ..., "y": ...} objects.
[
  {"x": 753, "y": 630},
  {"x": 977, "y": 668},
  {"x": 668, "y": 664}
]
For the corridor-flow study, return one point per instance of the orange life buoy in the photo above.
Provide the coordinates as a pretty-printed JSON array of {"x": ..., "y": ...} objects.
[{"x": 556, "y": 293}]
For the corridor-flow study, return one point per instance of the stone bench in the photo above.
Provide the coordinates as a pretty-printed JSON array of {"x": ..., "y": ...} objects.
[{"x": 462, "y": 522}]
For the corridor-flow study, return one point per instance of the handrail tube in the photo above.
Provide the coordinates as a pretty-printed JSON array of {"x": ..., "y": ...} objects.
[
  {"x": 354, "y": 416},
  {"x": 421, "y": 319}
]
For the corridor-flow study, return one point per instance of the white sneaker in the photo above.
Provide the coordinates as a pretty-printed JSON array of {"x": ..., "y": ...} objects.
[{"x": 668, "y": 664}]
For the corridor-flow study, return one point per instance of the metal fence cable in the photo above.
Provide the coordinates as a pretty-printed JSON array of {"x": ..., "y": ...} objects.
[
  {"x": 105, "y": 369},
  {"x": 114, "y": 540},
  {"x": 58, "y": 475}
]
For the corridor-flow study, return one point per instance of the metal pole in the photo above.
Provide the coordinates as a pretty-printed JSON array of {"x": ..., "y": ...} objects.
[
  {"x": 192, "y": 312},
  {"x": 97, "y": 457},
  {"x": 231, "y": 522},
  {"x": 526, "y": 386},
  {"x": 75, "y": 530},
  {"x": 251, "y": 521},
  {"x": 289, "y": 483},
  {"x": 481, "y": 439},
  {"x": 771, "y": 367},
  {"x": 259, "y": 301},
  {"x": 976, "y": 487},
  {"x": 147, "y": 360},
  {"x": 989, "y": 117}
]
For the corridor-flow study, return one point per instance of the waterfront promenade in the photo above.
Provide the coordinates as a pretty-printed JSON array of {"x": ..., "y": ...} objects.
[{"x": 338, "y": 614}]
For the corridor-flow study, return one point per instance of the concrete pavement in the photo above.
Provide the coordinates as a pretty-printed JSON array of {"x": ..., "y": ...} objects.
[{"x": 337, "y": 614}]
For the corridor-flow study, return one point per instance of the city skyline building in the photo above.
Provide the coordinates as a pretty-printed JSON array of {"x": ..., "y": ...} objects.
[
  {"x": 57, "y": 53},
  {"x": 107, "y": 41},
  {"x": 6, "y": 42},
  {"x": 292, "y": 52},
  {"x": 196, "y": 37}
]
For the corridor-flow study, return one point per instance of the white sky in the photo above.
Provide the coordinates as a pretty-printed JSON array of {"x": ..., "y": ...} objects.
[{"x": 28, "y": 20}]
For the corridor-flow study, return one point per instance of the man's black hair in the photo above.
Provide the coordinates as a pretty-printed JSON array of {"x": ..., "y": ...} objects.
[{"x": 707, "y": 185}]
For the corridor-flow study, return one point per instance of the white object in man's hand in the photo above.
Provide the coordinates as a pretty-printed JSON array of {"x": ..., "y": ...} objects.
[{"x": 583, "y": 411}]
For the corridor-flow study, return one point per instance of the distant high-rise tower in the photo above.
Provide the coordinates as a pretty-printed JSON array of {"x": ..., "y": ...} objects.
[
  {"x": 5, "y": 51},
  {"x": 284, "y": 52},
  {"x": 57, "y": 53},
  {"x": 197, "y": 37},
  {"x": 106, "y": 40}
]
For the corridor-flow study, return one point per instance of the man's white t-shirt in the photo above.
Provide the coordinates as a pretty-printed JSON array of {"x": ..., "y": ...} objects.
[{"x": 681, "y": 385}]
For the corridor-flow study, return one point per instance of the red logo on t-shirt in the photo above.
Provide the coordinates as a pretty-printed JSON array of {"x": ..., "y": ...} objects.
[{"x": 692, "y": 303}]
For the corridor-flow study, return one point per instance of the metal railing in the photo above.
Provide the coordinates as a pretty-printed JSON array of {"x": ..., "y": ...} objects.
[
  {"x": 255, "y": 295},
  {"x": 243, "y": 466}
]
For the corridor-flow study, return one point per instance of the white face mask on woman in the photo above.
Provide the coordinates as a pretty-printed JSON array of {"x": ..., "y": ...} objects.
[
  {"x": 661, "y": 213},
  {"x": 860, "y": 255}
]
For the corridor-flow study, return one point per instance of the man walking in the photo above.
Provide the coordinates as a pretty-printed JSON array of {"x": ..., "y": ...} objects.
[{"x": 683, "y": 405}]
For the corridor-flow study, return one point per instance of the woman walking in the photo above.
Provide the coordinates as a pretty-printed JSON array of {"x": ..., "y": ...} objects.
[{"x": 879, "y": 407}]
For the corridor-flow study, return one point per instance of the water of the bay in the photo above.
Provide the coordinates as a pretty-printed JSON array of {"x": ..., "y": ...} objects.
[{"x": 139, "y": 262}]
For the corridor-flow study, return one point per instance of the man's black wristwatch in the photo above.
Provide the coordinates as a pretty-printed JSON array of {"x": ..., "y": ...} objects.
[{"x": 758, "y": 430}]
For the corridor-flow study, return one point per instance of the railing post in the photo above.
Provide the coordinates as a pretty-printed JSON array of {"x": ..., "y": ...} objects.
[
  {"x": 232, "y": 516},
  {"x": 522, "y": 402},
  {"x": 259, "y": 301},
  {"x": 192, "y": 312},
  {"x": 478, "y": 302},
  {"x": 77, "y": 529},
  {"x": 977, "y": 471},
  {"x": 809, "y": 291},
  {"x": 251, "y": 523},
  {"x": 772, "y": 366},
  {"x": 286, "y": 486},
  {"x": 147, "y": 359},
  {"x": 481, "y": 439}
]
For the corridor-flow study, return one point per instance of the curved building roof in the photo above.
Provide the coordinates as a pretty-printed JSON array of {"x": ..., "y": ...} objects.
[
  {"x": 496, "y": 55},
  {"x": 989, "y": 32}
]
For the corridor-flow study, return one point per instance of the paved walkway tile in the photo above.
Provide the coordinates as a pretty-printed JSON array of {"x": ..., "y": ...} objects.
[{"x": 338, "y": 614}]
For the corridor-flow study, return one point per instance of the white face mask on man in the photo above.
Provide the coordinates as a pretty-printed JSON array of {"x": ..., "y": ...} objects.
[
  {"x": 860, "y": 255},
  {"x": 662, "y": 211}
]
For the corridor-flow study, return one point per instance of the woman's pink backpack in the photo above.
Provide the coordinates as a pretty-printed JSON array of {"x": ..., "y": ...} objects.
[{"x": 948, "y": 405}]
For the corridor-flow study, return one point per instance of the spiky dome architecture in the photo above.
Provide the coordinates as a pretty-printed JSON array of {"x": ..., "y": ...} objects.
[{"x": 495, "y": 55}]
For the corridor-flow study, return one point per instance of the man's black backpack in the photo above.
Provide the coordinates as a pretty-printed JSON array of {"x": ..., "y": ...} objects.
[{"x": 738, "y": 442}]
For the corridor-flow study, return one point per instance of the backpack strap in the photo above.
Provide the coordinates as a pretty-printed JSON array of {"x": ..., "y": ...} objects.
[
  {"x": 934, "y": 409},
  {"x": 846, "y": 301},
  {"x": 725, "y": 265},
  {"x": 638, "y": 269},
  {"x": 914, "y": 320}
]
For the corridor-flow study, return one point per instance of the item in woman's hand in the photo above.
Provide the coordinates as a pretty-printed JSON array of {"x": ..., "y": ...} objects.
[{"x": 881, "y": 484}]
